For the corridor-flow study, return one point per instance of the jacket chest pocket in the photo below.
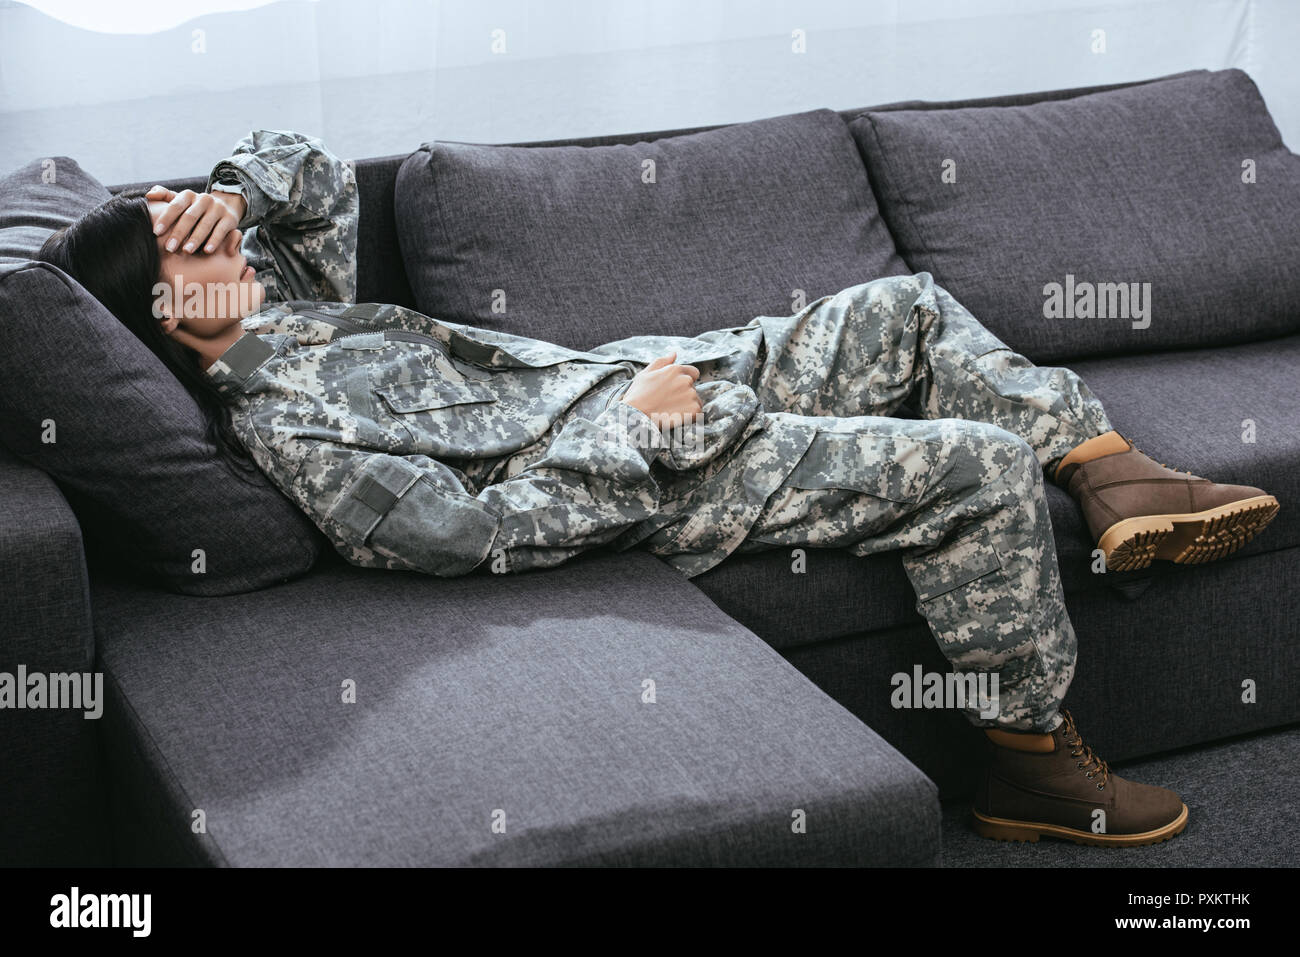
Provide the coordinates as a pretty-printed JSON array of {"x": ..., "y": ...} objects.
[
  {"x": 435, "y": 415},
  {"x": 429, "y": 395}
]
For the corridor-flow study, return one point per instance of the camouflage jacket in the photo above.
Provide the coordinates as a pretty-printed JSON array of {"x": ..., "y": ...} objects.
[{"x": 431, "y": 446}]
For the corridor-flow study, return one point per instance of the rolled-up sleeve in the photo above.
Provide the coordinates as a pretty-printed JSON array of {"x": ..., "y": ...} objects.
[{"x": 300, "y": 226}]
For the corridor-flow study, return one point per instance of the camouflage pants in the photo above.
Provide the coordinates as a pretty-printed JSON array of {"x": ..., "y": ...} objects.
[{"x": 959, "y": 491}]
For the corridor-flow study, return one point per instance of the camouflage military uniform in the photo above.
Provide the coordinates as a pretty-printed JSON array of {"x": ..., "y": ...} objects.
[{"x": 432, "y": 446}]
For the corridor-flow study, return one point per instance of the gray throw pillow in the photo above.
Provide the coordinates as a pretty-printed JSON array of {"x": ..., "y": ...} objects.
[
  {"x": 43, "y": 196},
  {"x": 129, "y": 450},
  {"x": 583, "y": 245},
  {"x": 1160, "y": 216}
]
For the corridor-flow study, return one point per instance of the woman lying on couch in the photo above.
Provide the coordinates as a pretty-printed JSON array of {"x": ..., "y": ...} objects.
[{"x": 424, "y": 445}]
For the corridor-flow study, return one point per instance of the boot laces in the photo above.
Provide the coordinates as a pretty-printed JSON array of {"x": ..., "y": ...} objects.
[
  {"x": 1091, "y": 762},
  {"x": 1162, "y": 464}
]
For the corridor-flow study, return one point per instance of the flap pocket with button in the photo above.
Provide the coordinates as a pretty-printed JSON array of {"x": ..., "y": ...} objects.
[
  {"x": 423, "y": 395},
  {"x": 955, "y": 563},
  {"x": 890, "y": 466}
]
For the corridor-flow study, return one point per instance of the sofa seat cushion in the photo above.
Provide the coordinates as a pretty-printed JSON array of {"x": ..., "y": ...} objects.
[
  {"x": 1035, "y": 216},
  {"x": 478, "y": 699},
  {"x": 583, "y": 245},
  {"x": 1188, "y": 409}
]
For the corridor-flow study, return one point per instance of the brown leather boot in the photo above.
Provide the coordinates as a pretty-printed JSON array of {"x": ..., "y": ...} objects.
[
  {"x": 1139, "y": 510},
  {"x": 1053, "y": 784}
]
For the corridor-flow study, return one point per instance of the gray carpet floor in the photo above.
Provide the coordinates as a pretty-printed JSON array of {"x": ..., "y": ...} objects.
[{"x": 1243, "y": 798}]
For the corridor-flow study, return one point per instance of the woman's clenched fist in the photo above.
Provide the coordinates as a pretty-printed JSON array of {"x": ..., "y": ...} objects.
[{"x": 666, "y": 392}]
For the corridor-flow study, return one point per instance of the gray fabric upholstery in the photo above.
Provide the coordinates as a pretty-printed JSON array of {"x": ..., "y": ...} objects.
[
  {"x": 1012, "y": 99},
  {"x": 1137, "y": 185},
  {"x": 523, "y": 693},
  {"x": 381, "y": 274},
  {"x": 51, "y": 801},
  {"x": 129, "y": 449},
  {"x": 585, "y": 252},
  {"x": 40, "y": 197}
]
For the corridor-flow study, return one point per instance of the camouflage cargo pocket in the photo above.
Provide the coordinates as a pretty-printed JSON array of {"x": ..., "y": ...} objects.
[
  {"x": 965, "y": 596},
  {"x": 893, "y": 467}
]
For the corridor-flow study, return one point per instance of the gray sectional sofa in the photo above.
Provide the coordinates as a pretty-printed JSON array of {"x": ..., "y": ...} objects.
[{"x": 610, "y": 711}]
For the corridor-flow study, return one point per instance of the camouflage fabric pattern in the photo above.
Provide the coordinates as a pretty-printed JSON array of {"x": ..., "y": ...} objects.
[
  {"x": 424, "y": 445},
  {"x": 487, "y": 446},
  {"x": 300, "y": 227},
  {"x": 959, "y": 491}
]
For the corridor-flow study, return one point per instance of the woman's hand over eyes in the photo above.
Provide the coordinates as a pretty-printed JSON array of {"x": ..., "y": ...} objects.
[
  {"x": 198, "y": 220},
  {"x": 666, "y": 392}
]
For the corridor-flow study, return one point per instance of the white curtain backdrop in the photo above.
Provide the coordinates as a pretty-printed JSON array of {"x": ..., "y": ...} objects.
[{"x": 162, "y": 88}]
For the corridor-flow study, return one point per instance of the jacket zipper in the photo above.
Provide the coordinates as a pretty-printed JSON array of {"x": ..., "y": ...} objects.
[{"x": 336, "y": 321}]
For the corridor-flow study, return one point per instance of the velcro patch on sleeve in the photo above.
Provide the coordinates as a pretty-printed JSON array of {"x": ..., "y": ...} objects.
[
  {"x": 247, "y": 355},
  {"x": 373, "y": 494}
]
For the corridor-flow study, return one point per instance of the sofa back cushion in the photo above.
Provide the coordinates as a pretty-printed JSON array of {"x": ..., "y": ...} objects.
[
  {"x": 41, "y": 197},
  {"x": 82, "y": 398},
  {"x": 583, "y": 245},
  {"x": 1163, "y": 215}
]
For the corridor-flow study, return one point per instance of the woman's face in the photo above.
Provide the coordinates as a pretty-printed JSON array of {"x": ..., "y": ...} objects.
[{"x": 206, "y": 293}]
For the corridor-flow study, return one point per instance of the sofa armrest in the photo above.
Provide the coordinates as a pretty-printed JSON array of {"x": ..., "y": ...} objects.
[
  {"x": 45, "y": 617},
  {"x": 50, "y": 799}
]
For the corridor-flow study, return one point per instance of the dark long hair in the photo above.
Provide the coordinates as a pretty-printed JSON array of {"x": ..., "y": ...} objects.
[{"x": 111, "y": 251}]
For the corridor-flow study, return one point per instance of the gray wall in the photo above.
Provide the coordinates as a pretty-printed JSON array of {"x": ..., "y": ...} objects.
[{"x": 381, "y": 76}]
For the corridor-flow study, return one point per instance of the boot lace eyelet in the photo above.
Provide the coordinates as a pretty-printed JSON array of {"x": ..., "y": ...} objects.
[{"x": 1165, "y": 465}]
